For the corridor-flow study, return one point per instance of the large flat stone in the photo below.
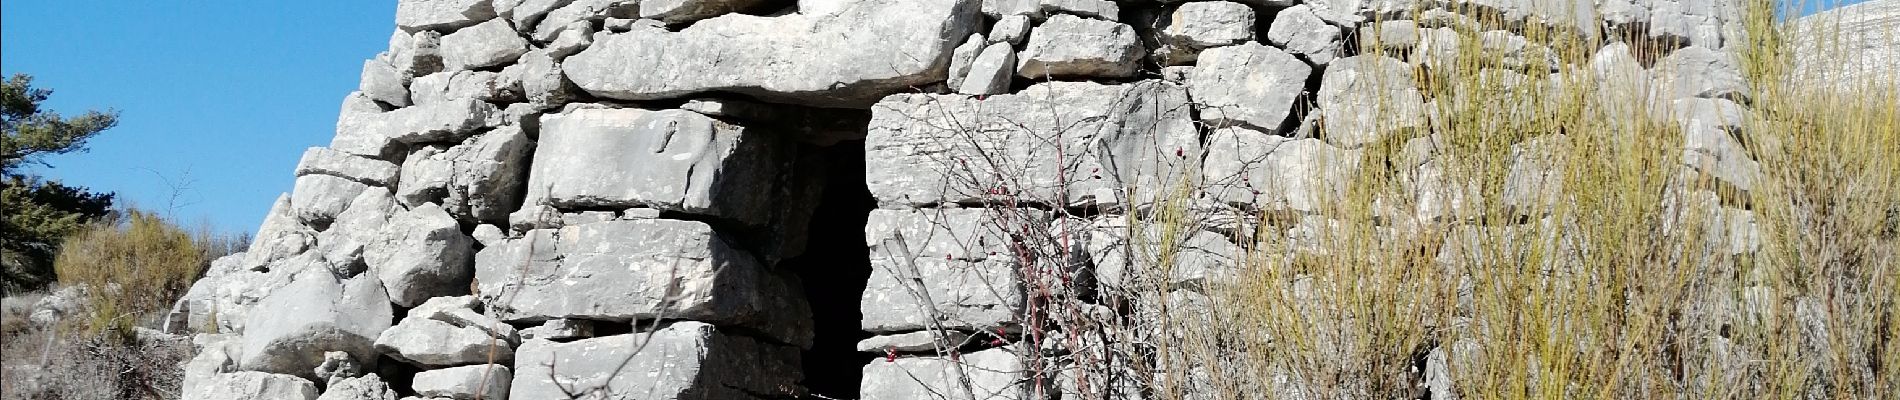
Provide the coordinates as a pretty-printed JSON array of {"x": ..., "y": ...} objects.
[
  {"x": 954, "y": 266},
  {"x": 995, "y": 374},
  {"x": 1260, "y": 171},
  {"x": 672, "y": 160},
  {"x": 1067, "y": 46},
  {"x": 315, "y": 313},
  {"x": 622, "y": 270},
  {"x": 1118, "y": 142},
  {"x": 850, "y": 56},
  {"x": 684, "y": 360},
  {"x": 1247, "y": 84}
]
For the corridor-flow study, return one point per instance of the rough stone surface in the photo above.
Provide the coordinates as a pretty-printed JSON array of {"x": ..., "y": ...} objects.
[
  {"x": 1700, "y": 72},
  {"x": 1364, "y": 99},
  {"x": 681, "y": 360},
  {"x": 366, "y": 387},
  {"x": 382, "y": 82},
  {"x": 1010, "y": 29},
  {"x": 991, "y": 71},
  {"x": 1247, "y": 84},
  {"x": 853, "y": 56},
  {"x": 961, "y": 57},
  {"x": 416, "y": 15},
  {"x": 485, "y": 382},
  {"x": 318, "y": 199},
  {"x": 678, "y": 11},
  {"x": 914, "y": 342},
  {"x": 313, "y": 314},
  {"x": 941, "y": 268},
  {"x": 931, "y": 149},
  {"x": 1273, "y": 172},
  {"x": 992, "y": 374},
  {"x": 673, "y": 160},
  {"x": 448, "y": 86},
  {"x": 1067, "y": 46},
  {"x": 1298, "y": 30},
  {"x": 419, "y": 254},
  {"x": 560, "y": 329},
  {"x": 484, "y": 45},
  {"x": 435, "y": 343},
  {"x": 478, "y": 180},
  {"x": 279, "y": 237},
  {"x": 321, "y": 160},
  {"x": 247, "y": 385},
  {"x": 622, "y": 270}
]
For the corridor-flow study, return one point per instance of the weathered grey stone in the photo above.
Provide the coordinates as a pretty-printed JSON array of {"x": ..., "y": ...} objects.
[
  {"x": 1438, "y": 48},
  {"x": 1392, "y": 36},
  {"x": 419, "y": 254},
  {"x": 684, "y": 360},
  {"x": 1364, "y": 99},
  {"x": 1354, "y": 12},
  {"x": 672, "y": 160},
  {"x": 1851, "y": 48},
  {"x": 579, "y": 13},
  {"x": 478, "y": 180},
  {"x": 961, "y": 57},
  {"x": 1533, "y": 183},
  {"x": 1272, "y": 172},
  {"x": 435, "y": 343},
  {"x": 1067, "y": 46},
  {"x": 485, "y": 382},
  {"x": 1010, "y": 29},
  {"x": 1210, "y": 24},
  {"x": 1117, "y": 141},
  {"x": 560, "y": 329},
  {"x": 1126, "y": 265},
  {"x": 444, "y": 15},
  {"x": 542, "y": 83},
  {"x": 447, "y": 86},
  {"x": 366, "y": 387},
  {"x": 483, "y": 45},
  {"x": 569, "y": 41},
  {"x": 488, "y": 234},
  {"x": 891, "y": 46},
  {"x": 1301, "y": 32},
  {"x": 279, "y": 237},
  {"x": 465, "y": 311},
  {"x": 1513, "y": 52},
  {"x": 1709, "y": 144},
  {"x": 1697, "y": 71},
  {"x": 991, "y": 72},
  {"x": 249, "y": 385},
  {"x": 313, "y": 314},
  {"x": 337, "y": 366},
  {"x": 357, "y": 131},
  {"x": 630, "y": 267},
  {"x": 991, "y": 374},
  {"x": 1099, "y": 9},
  {"x": 382, "y": 82},
  {"x": 413, "y": 55},
  {"x": 525, "y": 14},
  {"x": 323, "y": 160},
  {"x": 447, "y": 121},
  {"x": 215, "y": 356},
  {"x": 950, "y": 270},
  {"x": 915, "y": 342},
  {"x": 680, "y": 11},
  {"x": 317, "y": 199},
  {"x": 1247, "y": 84}
]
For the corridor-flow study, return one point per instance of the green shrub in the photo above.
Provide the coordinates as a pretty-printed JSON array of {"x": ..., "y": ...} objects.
[{"x": 134, "y": 267}]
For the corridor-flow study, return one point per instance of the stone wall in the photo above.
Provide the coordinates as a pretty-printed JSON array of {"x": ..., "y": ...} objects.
[{"x": 545, "y": 199}]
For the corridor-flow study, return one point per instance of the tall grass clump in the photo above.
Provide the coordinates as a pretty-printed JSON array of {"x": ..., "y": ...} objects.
[
  {"x": 133, "y": 267},
  {"x": 1557, "y": 231}
]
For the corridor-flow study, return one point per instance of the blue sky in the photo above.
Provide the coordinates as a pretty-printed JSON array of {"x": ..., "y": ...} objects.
[{"x": 217, "y": 97}]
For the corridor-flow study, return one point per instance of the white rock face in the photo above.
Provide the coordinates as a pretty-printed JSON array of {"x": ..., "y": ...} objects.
[
  {"x": 621, "y": 270},
  {"x": 281, "y": 236},
  {"x": 486, "y": 382},
  {"x": 991, "y": 71},
  {"x": 381, "y": 81},
  {"x": 478, "y": 180},
  {"x": 1365, "y": 98},
  {"x": 319, "y": 198},
  {"x": 677, "y": 11},
  {"x": 342, "y": 245},
  {"x": 1247, "y": 84},
  {"x": 992, "y": 374},
  {"x": 1275, "y": 172},
  {"x": 443, "y": 15},
  {"x": 968, "y": 274},
  {"x": 366, "y": 387},
  {"x": 483, "y": 45},
  {"x": 1852, "y": 47},
  {"x": 1010, "y": 29},
  {"x": 672, "y": 160},
  {"x": 1067, "y": 46},
  {"x": 1699, "y": 72},
  {"x": 962, "y": 56},
  {"x": 448, "y": 86},
  {"x": 419, "y": 254},
  {"x": 1709, "y": 142},
  {"x": 313, "y": 314},
  {"x": 322, "y": 160},
  {"x": 852, "y": 57},
  {"x": 435, "y": 343},
  {"x": 679, "y": 360},
  {"x": 930, "y": 149},
  {"x": 247, "y": 385},
  {"x": 1302, "y": 32}
]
